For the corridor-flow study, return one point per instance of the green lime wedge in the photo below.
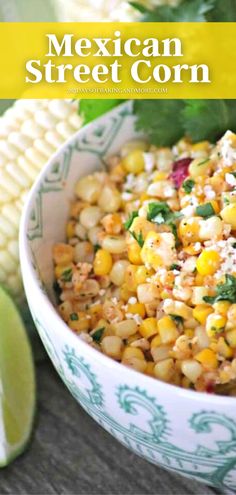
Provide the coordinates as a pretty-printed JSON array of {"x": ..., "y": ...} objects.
[{"x": 17, "y": 382}]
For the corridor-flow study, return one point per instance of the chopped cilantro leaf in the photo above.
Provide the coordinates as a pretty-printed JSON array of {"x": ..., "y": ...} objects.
[
  {"x": 96, "y": 336},
  {"x": 91, "y": 109},
  {"x": 96, "y": 247},
  {"x": 174, "y": 266},
  {"x": 177, "y": 319},
  {"x": 138, "y": 237},
  {"x": 205, "y": 210},
  {"x": 188, "y": 185},
  {"x": 67, "y": 275},
  {"x": 74, "y": 316},
  {"x": 224, "y": 292},
  {"x": 130, "y": 220},
  {"x": 159, "y": 212},
  {"x": 158, "y": 209}
]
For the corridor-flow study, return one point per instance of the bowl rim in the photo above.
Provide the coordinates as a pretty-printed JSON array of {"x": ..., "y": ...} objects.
[{"x": 45, "y": 302}]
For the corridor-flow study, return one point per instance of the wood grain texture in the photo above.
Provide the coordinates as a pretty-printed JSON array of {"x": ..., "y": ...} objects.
[{"x": 71, "y": 454}]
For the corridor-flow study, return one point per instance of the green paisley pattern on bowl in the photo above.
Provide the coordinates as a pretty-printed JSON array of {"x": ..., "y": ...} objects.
[
  {"x": 136, "y": 415},
  {"x": 154, "y": 440}
]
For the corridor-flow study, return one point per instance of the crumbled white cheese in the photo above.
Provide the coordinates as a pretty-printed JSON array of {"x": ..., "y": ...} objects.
[
  {"x": 227, "y": 254},
  {"x": 132, "y": 300},
  {"x": 102, "y": 292},
  {"x": 149, "y": 161},
  {"x": 209, "y": 192},
  {"x": 230, "y": 179},
  {"x": 134, "y": 317},
  {"x": 127, "y": 196},
  {"x": 188, "y": 211},
  {"x": 86, "y": 337},
  {"x": 141, "y": 343},
  {"x": 227, "y": 152}
]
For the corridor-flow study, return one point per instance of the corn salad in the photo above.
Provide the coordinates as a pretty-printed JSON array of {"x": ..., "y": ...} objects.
[{"x": 148, "y": 273}]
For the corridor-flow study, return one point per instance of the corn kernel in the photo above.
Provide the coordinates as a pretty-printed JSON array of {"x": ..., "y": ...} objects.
[
  {"x": 201, "y": 146},
  {"x": 191, "y": 369},
  {"x": 164, "y": 370},
  {"x": 150, "y": 368},
  {"x": 208, "y": 358},
  {"x": 134, "y": 251},
  {"x": 221, "y": 307},
  {"x": 223, "y": 349},
  {"x": 215, "y": 324},
  {"x": 148, "y": 327},
  {"x": 70, "y": 229},
  {"x": 141, "y": 274},
  {"x": 201, "y": 312},
  {"x": 78, "y": 322},
  {"x": 229, "y": 215},
  {"x": 102, "y": 264},
  {"x": 160, "y": 176},
  {"x": 189, "y": 332},
  {"x": 156, "y": 341},
  {"x": 200, "y": 166},
  {"x": 193, "y": 249},
  {"x": 132, "y": 352},
  {"x": 134, "y": 162},
  {"x": 112, "y": 346},
  {"x": 135, "y": 363},
  {"x": 167, "y": 330},
  {"x": 215, "y": 205},
  {"x": 208, "y": 262},
  {"x": 137, "y": 309},
  {"x": 60, "y": 269},
  {"x": 130, "y": 277},
  {"x": 231, "y": 338},
  {"x": 63, "y": 254},
  {"x": 188, "y": 230},
  {"x": 125, "y": 292}
]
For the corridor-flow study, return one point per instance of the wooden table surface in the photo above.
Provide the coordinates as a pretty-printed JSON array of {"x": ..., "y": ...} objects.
[{"x": 70, "y": 454}]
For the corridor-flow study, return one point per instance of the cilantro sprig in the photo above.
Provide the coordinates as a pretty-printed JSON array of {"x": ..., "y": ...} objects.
[
  {"x": 224, "y": 292},
  {"x": 206, "y": 210},
  {"x": 138, "y": 237},
  {"x": 130, "y": 219},
  {"x": 188, "y": 185},
  {"x": 172, "y": 119},
  {"x": 96, "y": 336},
  {"x": 159, "y": 212}
]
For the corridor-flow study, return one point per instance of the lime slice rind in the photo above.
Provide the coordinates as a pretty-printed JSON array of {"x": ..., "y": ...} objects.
[{"x": 17, "y": 383}]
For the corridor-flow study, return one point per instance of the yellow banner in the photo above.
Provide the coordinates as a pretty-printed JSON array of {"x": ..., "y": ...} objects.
[{"x": 118, "y": 60}]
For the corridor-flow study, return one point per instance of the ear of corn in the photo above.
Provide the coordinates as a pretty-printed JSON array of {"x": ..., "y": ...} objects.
[{"x": 30, "y": 131}]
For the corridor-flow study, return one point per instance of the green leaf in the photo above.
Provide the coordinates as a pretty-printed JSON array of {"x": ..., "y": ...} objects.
[
  {"x": 174, "y": 266},
  {"x": 158, "y": 209},
  {"x": 138, "y": 237},
  {"x": 188, "y": 185},
  {"x": 159, "y": 212},
  {"x": 130, "y": 219},
  {"x": 208, "y": 119},
  {"x": 140, "y": 7},
  {"x": 96, "y": 247},
  {"x": 205, "y": 210},
  {"x": 74, "y": 317},
  {"x": 224, "y": 292},
  {"x": 67, "y": 275},
  {"x": 224, "y": 11},
  {"x": 177, "y": 319},
  {"x": 91, "y": 109},
  {"x": 96, "y": 336},
  {"x": 160, "y": 120},
  {"x": 187, "y": 11}
]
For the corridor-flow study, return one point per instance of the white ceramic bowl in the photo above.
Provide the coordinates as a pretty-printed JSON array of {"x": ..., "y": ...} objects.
[{"x": 187, "y": 432}]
